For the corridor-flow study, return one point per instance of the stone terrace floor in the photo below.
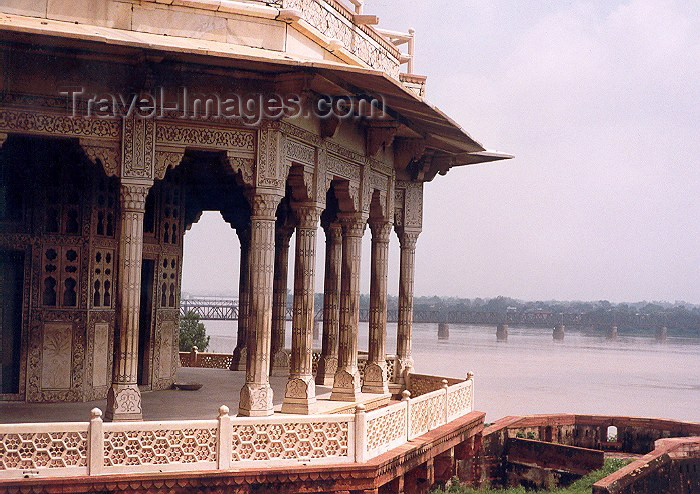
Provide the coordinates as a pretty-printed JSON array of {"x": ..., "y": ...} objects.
[{"x": 221, "y": 387}]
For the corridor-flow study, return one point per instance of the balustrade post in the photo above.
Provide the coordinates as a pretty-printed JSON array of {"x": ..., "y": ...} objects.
[
  {"x": 360, "y": 433},
  {"x": 224, "y": 438},
  {"x": 194, "y": 357},
  {"x": 96, "y": 442},
  {"x": 470, "y": 377},
  {"x": 406, "y": 397},
  {"x": 445, "y": 387}
]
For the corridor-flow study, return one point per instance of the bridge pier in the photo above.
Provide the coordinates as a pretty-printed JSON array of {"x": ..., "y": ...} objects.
[
  {"x": 612, "y": 333},
  {"x": 443, "y": 331},
  {"x": 502, "y": 332},
  {"x": 559, "y": 332},
  {"x": 661, "y": 333}
]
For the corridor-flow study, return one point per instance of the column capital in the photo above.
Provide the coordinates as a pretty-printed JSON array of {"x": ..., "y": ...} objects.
[
  {"x": 381, "y": 230},
  {"x": 282, "y": 236},
  {"x": 408, "y": 238},
  {"x": 263, "y": 205},
  {"x": 306, "y": 215},
  {"x": 132, "y": 194},
  {"x": 353, "y": 224},
  {"x": 334, "y": 232}
]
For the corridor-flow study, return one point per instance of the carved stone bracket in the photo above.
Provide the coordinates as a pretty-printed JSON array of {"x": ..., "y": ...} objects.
[
  {"x": 329, "y": 125},
  {"x": 3, "y": 138},
  {"x": 246, "y": 167},
  {"x": 406, "y": 151},
  {"x": 167, "y": 157},
  {"x": 379, "y": 135},
  {"x": 105, "y": 153}
]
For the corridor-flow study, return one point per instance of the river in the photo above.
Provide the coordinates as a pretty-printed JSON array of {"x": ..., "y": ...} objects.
[{"x": 532, "y": 373}]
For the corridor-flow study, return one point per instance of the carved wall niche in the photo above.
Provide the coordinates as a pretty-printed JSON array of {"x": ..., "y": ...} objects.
[
  {"x": 60, "y": 278},
  {"x": 105, "y": 207},
  {"x": 98, "y": 360},
  {"x": 171, "y": 212},
  {"x": 166, "y": 357},
  {"x": 56, "y": 356},
  {"x": 102, "y": 287},
  {"x": 168, "y": 282}
]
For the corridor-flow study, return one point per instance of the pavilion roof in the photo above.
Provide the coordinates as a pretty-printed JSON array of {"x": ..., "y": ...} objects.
[{"x": 416, "y": 116}]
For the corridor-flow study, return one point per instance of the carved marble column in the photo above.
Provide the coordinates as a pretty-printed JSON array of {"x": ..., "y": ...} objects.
[
  {"x": 256, "y": 394},
  {"x": 346, "y": 383},
  {"x": 123, "y": 397},
  {"x": 280, "y": 358},
  {"x": 407, "y": 241},
  {"x": 238, "y": 362},
  {"x": 375, "y": 379},
  {"x": 300, "y": 394},
  {"x": 328, "y": 363}
]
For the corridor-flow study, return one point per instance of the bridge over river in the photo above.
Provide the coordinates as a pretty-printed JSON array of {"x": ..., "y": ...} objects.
[{"x": 226, "y": 309}]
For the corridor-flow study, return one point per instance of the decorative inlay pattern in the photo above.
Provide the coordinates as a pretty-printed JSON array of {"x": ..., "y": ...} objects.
[
  {"x": 33, "y": 450},
  {"x": 219, "y": 138},
  {"x": 290, "y": 441},
  {"x": 53, "y": 124},
  {"x": 159, "y": 447},
  {"x": 386, "y": 429},
  {"x": 427, "y": 413},
  {"x": 330, "y": 22},
  {"x": 459, "y": 399},
  {"x": 299, "y": 152}
]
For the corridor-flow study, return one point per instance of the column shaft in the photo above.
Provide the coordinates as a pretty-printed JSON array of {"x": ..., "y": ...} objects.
[
  {"x": 123, "y": 397},
  {"x": 375, "y": 376},
  {"x": 300, "y": 394},
  {"x": 238, "y": 362},
  {"x": 328, "y": 363},
  {"x": 346, "y": 383},
  {"x": 407, "y": 241},
  {"x": 280, "y": 358},
  {"x": 256, "y": 394}
]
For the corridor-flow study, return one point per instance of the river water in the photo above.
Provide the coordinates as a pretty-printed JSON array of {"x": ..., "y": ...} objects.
[{"x": 532, "y": 373}]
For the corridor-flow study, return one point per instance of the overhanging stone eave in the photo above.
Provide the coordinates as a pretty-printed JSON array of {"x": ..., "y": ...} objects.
[{"x": 417, "y": 113}]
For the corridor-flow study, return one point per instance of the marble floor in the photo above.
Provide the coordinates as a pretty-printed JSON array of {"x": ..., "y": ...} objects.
[{"x": 220, "y": 387}]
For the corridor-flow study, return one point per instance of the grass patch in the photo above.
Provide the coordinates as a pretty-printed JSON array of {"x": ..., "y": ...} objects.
[{"x": 581, "y": 486}]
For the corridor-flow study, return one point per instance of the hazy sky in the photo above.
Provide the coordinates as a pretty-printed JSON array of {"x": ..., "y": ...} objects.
[{"x": 600, "y": 104}]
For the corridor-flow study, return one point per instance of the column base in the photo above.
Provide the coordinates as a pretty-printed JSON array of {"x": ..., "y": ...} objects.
[
  {"x": 375, "y": 380},
  {"x": 280, "y": 364},
  {"x": 256, "y": 400},
  {"x": 300, "y": 396},
  {"x": 238, "y": 361},
  {"x": 327, "y": 367},
  {"x": 123, "y": 403},
  {"x": 346, "y": 385}
]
